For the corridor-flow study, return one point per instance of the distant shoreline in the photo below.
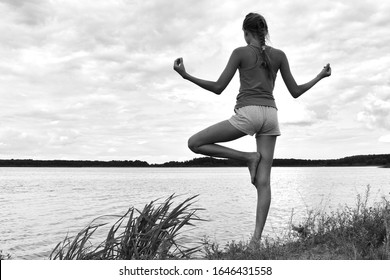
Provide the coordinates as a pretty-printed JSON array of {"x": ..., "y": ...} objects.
[{"x": 382, "y": 160}]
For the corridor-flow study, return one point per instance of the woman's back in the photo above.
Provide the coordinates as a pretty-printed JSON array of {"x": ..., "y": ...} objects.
[{"x": 256, "y": 81}]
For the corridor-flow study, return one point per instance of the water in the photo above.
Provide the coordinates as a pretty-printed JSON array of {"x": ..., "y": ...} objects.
[{"x": 39, "y": 206}]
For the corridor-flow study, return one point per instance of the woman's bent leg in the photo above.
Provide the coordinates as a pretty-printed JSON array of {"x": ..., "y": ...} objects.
[
  {"x": 204, "y": 141},
  {"x": 266, "y": 147}
]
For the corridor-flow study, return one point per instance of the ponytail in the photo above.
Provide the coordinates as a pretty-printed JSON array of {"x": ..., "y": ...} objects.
[{"x": 261, "y": 34}]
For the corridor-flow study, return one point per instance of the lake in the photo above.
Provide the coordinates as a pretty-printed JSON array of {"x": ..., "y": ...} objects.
[{"x": 40, "y": 206}]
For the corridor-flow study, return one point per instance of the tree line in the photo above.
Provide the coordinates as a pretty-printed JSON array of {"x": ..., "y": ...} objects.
[
  {"x": 71, "y": 163},
  {"x": 360, "y": 160}
]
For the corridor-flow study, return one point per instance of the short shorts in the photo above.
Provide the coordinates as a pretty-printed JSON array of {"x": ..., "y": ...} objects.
[{"x": 259, "y": 120}]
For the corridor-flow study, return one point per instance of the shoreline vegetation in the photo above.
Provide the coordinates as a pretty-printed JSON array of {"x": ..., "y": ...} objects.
[
  {"x": 380, "y": 160},
  {"x": 361, "y": 232}
]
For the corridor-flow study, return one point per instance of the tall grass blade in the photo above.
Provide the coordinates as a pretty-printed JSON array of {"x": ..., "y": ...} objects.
[{"x": 148, "y": 234}]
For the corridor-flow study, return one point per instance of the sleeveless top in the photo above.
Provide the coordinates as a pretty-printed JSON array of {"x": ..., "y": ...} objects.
[{"x": 256, "y": 86}]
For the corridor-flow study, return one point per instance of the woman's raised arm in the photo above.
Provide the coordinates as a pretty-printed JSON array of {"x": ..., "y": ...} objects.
[
  {"x": 295, "y": 89},
  {"x": 217, "y": 87}
]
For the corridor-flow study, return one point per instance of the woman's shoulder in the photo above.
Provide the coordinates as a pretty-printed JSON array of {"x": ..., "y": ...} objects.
[
  {"x": 242, "y": 49},
  {"x": 277, "y": 55},
  {"x": 277, "y": 52},
  {"x": 242, "y": 53}
]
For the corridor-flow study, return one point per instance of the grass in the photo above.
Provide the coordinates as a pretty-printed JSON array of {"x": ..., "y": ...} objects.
[
  {"x": 152, "y": 233},
  {"x": 358, "y": 233}
]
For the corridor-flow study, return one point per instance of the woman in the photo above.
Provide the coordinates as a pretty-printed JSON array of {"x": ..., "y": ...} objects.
[{"x": 256, "y": 112}]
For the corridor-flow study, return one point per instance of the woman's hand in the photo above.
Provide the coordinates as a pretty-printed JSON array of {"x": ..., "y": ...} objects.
[
  {"x": 326, "y": 72},
  {"x": 178, "y": 66}
]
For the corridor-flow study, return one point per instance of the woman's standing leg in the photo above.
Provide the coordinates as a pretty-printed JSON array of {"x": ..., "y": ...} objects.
[
  {"x": 204, "y": 141},
  {"x": 266, "y": 147}
]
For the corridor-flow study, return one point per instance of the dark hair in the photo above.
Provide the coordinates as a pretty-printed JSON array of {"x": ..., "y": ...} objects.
[{"x": 257, "y": 26}]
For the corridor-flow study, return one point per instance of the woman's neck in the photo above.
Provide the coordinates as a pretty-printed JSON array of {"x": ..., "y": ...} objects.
[
  {"x": 254, "y": 43},
  {"x": 257, "y": 45}
]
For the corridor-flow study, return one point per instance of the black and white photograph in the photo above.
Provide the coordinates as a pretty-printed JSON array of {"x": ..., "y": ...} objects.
[{"x": 215, "y": 131}]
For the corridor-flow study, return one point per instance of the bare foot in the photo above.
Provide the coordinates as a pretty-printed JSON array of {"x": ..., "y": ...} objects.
[
  {"x": 254, "y": 244},
  {"x": 253, "y": 163}
]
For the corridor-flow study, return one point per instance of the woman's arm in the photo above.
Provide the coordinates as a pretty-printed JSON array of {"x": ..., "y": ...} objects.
[
  {"x": 218, "y": 86},
  {"x": 295, "y": 89}
]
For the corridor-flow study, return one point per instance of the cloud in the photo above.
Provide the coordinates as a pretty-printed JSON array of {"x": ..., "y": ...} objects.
[
  {"x": 27, "y": 12},
  {"x": 376, "y": 113},
  {"x": 94, "y": 79},
  {"x": 384, "y": 138},
  {"x": 297, "y": 114}
]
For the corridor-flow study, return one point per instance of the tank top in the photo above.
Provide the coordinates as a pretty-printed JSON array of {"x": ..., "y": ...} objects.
[{"x": 256, "y": 86}]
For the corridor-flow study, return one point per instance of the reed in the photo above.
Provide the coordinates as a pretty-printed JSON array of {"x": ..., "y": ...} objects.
[
  {"x": 152, "y": 233},
  {"x": 4, "y": 256},
  {"x": 360, "y": 232}
]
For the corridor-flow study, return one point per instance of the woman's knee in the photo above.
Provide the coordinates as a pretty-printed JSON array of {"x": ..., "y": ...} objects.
[
  {"x": 263, "y": 177},
  {"x": 193, "y": 144},
  {"x": 262, "y": 182}
]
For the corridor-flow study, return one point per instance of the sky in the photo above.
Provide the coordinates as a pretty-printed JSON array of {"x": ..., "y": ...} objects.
[{"x": 94, "y": 80}]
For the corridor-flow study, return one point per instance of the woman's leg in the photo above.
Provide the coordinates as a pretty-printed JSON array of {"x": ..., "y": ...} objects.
[
  {"x": 204, "y": 141},
  {"x": 266, "y": 147}
]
